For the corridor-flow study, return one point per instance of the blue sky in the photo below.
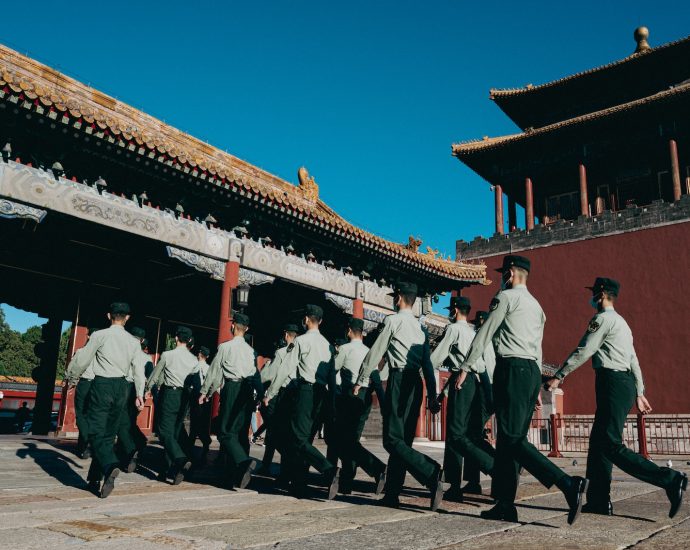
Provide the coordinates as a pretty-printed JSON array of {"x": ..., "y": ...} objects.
[{"x": 368, "y": 95}]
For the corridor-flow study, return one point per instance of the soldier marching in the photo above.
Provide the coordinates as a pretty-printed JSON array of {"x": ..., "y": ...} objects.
[{"x": 495, "y": 368}]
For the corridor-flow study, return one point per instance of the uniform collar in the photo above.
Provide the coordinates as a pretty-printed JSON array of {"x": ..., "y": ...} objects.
[
  {"x": 312, "y": 331},
  {"x": 119, "y": 327},
  {"x": 609, "y": 308},
  {"x": 515, "y": 287},
  {"x": 406, "y": 312},
  {"x": 461, "y": 322}
]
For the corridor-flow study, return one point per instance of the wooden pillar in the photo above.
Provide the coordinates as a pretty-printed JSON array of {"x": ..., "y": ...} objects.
[
  {"x": 44, "y": 375},
  {"x": 529, "y": 205},
  {"x": 675, "y": 168},
  {"x": 67, "y": 420},
  {"x": 512, "y": 214},
  {"x": 232, "y": 276},
  {"x": 584, "y": 200},
  {"x": 358, "y": 308},
  {"x": 498, "y": 191}
]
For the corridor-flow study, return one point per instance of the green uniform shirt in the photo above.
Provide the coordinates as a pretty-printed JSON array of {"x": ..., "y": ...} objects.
[
  {"x": 173, "y": 368},
  {"x": 270, "y": 371},
  {"x": 453, "y": 347},
  {"x": 405, "y": 345},
  {"x": 350, "y": 358},
  {"x": 609, "y": 341},
  {"x": 310, "y": 357},
  {"x": 515, "y": 325},
  {"x": 86, "y": 375},
  {"x": 235, "y": 360},
  {"x": 113, "y": 352}
]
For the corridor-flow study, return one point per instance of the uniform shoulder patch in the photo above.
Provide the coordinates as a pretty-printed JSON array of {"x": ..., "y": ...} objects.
[
  {"x": 593, "y": 326},
  {"x": 494, "y": 304},
  {"x": 290, "y": 347}
]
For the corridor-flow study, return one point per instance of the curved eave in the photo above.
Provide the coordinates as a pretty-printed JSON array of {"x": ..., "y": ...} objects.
[
  {"x": 77, "y": 104},
  {"x": 469, "y": 148},
  {"x": 497, "y": 94}
]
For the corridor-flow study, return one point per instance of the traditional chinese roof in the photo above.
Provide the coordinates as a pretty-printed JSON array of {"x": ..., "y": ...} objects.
[
  {"x": 136, "y": 131},
  {"x": 469, "y": 148},
  {"x": 641, "y": 74}
]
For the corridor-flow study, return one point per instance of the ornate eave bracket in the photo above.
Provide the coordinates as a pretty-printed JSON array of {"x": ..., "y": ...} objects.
[
  {"x": 216, "y": 268},
  {"x": 12, "y": 210}
]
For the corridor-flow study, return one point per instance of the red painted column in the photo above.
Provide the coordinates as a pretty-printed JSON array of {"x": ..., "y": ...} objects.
[
  {"x": 358, "y": 308},
  {"x": 584, "y": 200},
  {"x": 529, "y": 205},
  {"x": 512, "y": 214},
  {"x": 232, "y": 276},
  {"x": 675, "y": 168},
  {"x": 498, "y": 191},
  {"x": 67, "y": 419}
]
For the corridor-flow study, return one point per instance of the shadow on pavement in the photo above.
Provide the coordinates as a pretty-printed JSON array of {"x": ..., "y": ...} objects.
[{"x": 55, "y": 464}]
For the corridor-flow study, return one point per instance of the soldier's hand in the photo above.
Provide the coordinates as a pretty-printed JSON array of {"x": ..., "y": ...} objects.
[
  {"x": 537, "y": 405},
  {"x": 355, "y": 389},
  {"x": 147, "y": 395},
  {"x": 202, "y": 399},
  {"x": 139, "y": 402},
  {"x": 460, "y": 379},
  {"x": 643, "y": 405},
  {"x": 552, "y": 383},
  {"x": 433, "y": 405},
  {"x": 266, "y": 401}
]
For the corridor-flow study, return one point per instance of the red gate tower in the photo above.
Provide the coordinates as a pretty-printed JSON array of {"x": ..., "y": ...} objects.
[{"x": 601, "y": 168}]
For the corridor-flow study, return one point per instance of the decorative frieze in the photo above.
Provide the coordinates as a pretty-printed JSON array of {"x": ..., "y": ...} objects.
[{"x": 11, "y": 209}]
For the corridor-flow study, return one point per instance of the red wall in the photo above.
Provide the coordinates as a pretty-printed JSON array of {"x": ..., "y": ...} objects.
[{"x": 653, "y": 267}]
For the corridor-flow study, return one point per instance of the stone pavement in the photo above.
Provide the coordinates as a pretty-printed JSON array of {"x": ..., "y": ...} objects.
[{"x": 44, "y": 504}]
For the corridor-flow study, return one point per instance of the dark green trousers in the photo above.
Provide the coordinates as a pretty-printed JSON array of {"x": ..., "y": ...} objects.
[
  {"x": 129, "y": 437},
  {"x": 303, "y": 453},
  {"x": 267, "y": 415},
  {"x": 464, "y": 431},
  {"x": 105, "y": 405},
  {"x": 199, "y": 421},
  {"x": 236, "y": 402},
  {"x": 616, "y": 393},
  {"x": 173, "y": 404},
  {"x": 81, "y": 402},
  {"x": 516, "y": 387},
  {"x": 401, "y": 412},
  {"x": 479, "y": 417},
  {"x": 352, "y": 414}
]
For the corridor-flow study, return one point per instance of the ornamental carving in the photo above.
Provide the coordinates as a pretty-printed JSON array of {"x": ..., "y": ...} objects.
[
  {"x": 215, "y": 268},
  {"x": 254, "y": 278},
  {"x": 97, "y": 208},
  {"x": 413, "y": 244},
  {"x": 307, "y": 185},
  {"x": 10, "y": 209}
]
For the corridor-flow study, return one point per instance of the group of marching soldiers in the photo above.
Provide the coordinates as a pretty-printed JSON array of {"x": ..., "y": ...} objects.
[{"x": 495, "y": 366}]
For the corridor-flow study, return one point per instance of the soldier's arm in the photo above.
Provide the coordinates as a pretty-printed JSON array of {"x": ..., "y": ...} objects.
[
  {"x": 340, "y": 358},
  {"x": 290, "y": 365},
  {"x": 594, "y": 337},
  {"x": 499, "y": 310},
  {"x": 376, "y": 353},
  {"x": 442, "y": 351},
  {"x": 377, "y": 385},
  {"x": 69, "y": 374},
  {"x": 83, "y": 360},
  {"x": 258, "y": 385},
  {"x": 635, "y": 366},
  {"x": 156, "y": 374},
  {"x": 215, "y": 373},
  {"x": 268, "y": 370},
  {"x": 139, "y": 370},
  {"x": 428, "y": 369}
]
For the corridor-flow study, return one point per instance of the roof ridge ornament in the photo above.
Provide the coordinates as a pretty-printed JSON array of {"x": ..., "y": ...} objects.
[
  {"x": 307, "y": 185},
  {"x": 641, "y": 35}
]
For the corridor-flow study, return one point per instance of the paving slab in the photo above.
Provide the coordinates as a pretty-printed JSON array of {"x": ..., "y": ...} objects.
[{"x": 44, "y": 505}]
